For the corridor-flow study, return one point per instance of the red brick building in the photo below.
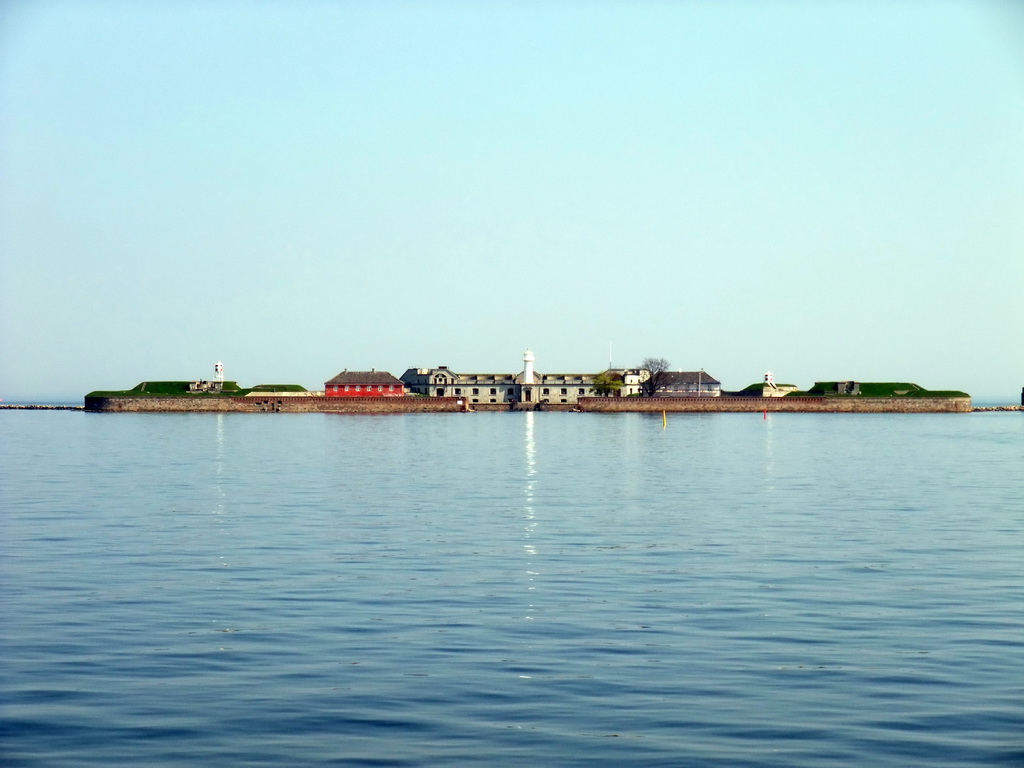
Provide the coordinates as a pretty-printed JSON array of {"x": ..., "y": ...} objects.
[{"x": 364, "y": 384}]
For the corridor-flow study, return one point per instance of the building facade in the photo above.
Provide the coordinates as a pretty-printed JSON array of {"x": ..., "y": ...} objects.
[
  {"x": 535, "y": 387},
  {"x": 528, "y": 386},
  {"x": 688, "y": 383},
  {"x": 364, "y": 384}
]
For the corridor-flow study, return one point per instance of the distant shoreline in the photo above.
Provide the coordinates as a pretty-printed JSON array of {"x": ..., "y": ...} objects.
[{"x": 39, "y": 407}]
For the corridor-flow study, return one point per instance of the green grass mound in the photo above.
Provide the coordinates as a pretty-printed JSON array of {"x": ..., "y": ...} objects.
[
  {"x": 758, "y": 388},
  {"x": 877, "y": 389},
  {"x": 751, "y": 388},
  {"x": 170, "y": 389},
  {"x": 176, "y": 387},
  {"x": 279, "y": 388}
]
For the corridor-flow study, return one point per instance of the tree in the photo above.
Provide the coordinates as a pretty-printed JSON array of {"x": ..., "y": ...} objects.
[
  {"x": 607, "y": 383},
  {"x": 656, "y": 368}
]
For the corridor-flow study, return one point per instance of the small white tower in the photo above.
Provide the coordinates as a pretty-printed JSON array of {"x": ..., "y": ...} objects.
[
  {"x": 219, "y": 370},
  {"x": 528, "y": 367}
]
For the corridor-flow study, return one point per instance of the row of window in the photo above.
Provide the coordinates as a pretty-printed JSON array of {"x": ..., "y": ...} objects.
[
  {"x": 362, "y": 388},
  {"x": 476, "y": 380},
  {"x": 442, "y": 380},
  {"x": 511, "y": 392}
]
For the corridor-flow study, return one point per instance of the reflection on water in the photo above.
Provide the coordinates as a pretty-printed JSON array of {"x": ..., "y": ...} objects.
[
  {"x": 529, "y": 511},
  {"x": 220, "y": 493}
]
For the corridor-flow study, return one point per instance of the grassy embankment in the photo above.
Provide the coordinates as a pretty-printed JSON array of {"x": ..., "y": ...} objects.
[
  {"x": 754, "y": 390},
  {"x": 181, "y": 389},
  {"x": 877, "y": 389}
]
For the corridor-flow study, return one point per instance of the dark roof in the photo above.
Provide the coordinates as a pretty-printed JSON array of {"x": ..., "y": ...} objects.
[
  {"x": 687, "y": 377},
  {"x": 364, "y": 377}
]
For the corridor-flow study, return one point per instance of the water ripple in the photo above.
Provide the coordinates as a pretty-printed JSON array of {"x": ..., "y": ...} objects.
[{"x": 490, "y": 589}]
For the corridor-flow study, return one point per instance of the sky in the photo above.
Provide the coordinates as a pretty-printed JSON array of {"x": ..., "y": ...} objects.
[{"x": 826, "y": 190}]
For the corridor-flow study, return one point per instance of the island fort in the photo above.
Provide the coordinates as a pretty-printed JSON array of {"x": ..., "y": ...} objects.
[{"x": 648, "y": 387}]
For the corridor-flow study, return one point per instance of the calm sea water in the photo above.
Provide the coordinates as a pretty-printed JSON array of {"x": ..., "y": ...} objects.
[{"x": 495, "y": 589}]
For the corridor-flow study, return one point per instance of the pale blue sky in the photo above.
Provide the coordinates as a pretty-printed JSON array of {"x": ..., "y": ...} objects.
[{"x": 830, "y": 190}]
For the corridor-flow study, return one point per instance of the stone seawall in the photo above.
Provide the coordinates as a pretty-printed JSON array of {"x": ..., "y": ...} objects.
[
  {"x": 523, "y": 407},
  {"x": 776, "y": 404},
  {"x": 274, "y": 404},
  {"x": 314, "y": 404}
]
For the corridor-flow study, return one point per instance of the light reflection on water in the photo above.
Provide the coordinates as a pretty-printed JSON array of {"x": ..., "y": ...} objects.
[
  {"x": 218, "y": 463},
  {"x": 529, "y": 513},
  {"x": 551, "y": 589}
]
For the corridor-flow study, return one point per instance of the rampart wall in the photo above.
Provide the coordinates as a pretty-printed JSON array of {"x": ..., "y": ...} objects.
[
  {"x": 523, "y": 407},
  {"x": 315, "y": 404},
  {"x": 776, "y": 404},
  {"x": 274, "y": 404}
]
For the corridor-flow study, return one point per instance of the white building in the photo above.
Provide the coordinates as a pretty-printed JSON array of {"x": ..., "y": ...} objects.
[{"x": 528, "y": 386}]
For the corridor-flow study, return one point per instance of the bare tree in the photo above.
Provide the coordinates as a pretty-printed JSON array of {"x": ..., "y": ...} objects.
[{"x": 656, "y": 368}]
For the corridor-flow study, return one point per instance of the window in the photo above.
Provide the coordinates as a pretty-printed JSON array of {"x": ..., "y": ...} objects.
[
  {"x": 563, "y": 392},
  {"x": 380, "y": 387},
  {"x": 346, "y": 387},
  {"x": 581, "y": 391},
  {"x": 547, "y": 391},
  {"x": 458, "y": 390},
  {"x": 475, "y": 392},
  {"x": 493, "y": 392},
  {"x": 358, "y": 387}
]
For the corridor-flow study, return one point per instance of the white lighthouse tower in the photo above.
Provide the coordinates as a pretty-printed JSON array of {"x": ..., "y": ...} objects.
[
  {"x": 218, "y": 370},
  {"x": 528, "y": 367}
]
